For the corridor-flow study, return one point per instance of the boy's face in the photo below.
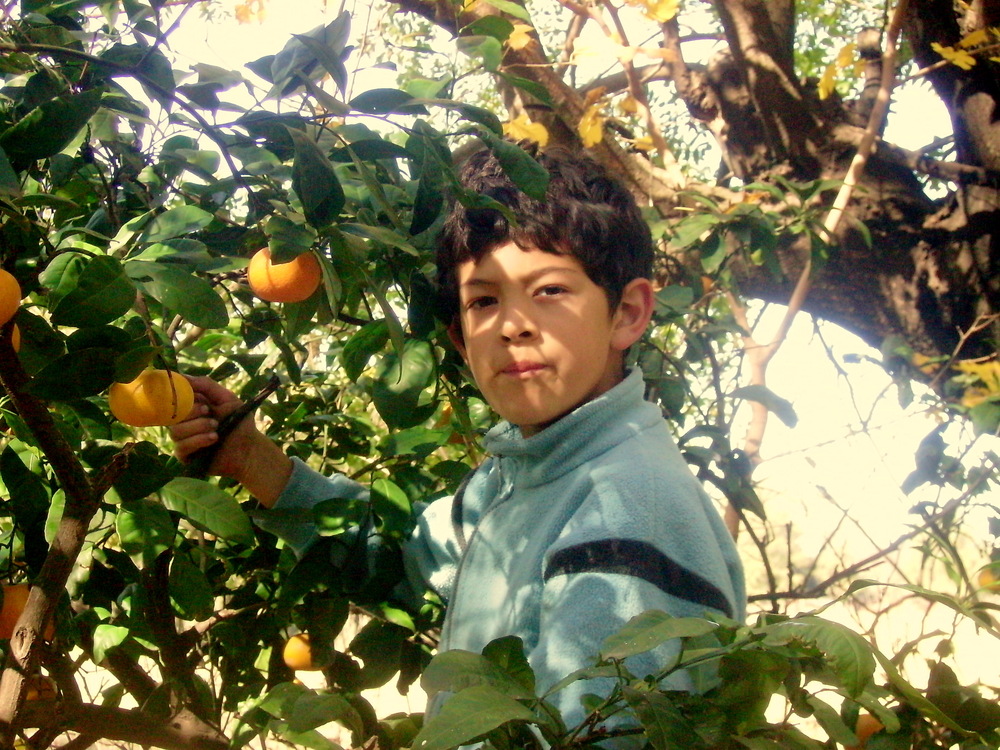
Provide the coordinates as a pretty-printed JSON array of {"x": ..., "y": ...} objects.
[{"x": 538, "y": 334}]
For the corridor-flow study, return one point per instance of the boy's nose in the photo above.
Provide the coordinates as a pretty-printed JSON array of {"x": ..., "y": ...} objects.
[{"x": 516, "y": 325}]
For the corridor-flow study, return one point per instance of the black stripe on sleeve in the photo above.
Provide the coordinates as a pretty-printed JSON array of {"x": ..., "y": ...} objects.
[{"x": 641, "y": 560}]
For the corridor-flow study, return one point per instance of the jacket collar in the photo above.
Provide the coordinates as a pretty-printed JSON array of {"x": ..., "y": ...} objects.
[{"x": 586, "y": 432}]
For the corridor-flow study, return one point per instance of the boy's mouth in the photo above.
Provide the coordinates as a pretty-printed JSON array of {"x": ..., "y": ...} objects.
[{"x": 522, "y": 368}]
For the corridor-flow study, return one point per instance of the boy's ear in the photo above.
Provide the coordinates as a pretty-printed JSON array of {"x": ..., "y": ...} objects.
[
  {"x": 456, "y": 337},
  {"x": 633, "y": 313}
]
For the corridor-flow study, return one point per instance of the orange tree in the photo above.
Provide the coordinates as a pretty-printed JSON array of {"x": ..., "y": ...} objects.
[{"x": 132, "y": 197}]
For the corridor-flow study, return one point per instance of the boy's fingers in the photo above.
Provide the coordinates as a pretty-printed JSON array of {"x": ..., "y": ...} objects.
[
  {"x": 210, "y": 392},
  {"x": 191, "y": 427}
]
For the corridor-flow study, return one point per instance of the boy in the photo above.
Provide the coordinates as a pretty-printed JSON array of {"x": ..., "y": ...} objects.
[{"x": 586, "y": 514}]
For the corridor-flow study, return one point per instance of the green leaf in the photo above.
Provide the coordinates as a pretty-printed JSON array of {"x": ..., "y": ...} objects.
[
  {"x": 400, "y": 382},
  {"x": 467, "y": 715},
  {"x": 387, "y": 102},
  {"x": 366, "y": 342},
  {"x": 208, "y": 508},
  {"x": 780, "y": 407},
  {"x": 648, "y": 630},
  {"x": 29, "y": 497},
  {"x": 9, "y": 183},
  {"x": 690, "y": 230},
  {"x": 102, "y": 293},
  {"x": 673, "y": 299},
  {"x": 664, "y": 724},
  {"x": 381, "y": 235},
  {"x": 179, "y": 290},
  {"x": 287, "y": 239},
  {"x": 531, "y": 87},
  {"x": 429, "y": 200},
  {"x": 78, "y": 374},
  {"x": 829, "y": 719},
  {"x": 145, "y": 530},
  {"x": 486, "y": 48},
  {"x": 315, "y": 182},
  {"x": 508, "y": 654},
  {"x": 107, "y": 637},
  {"x": 849, "y": 655},
  {"x": 511, "y": 8},
  {"x": 48, "y": 128},
  {"x": 391, "y": 504},
  {"x": 190, "y": 591},
  {"x": 456, "y": 670},
  {"x": 174, "y": 223},
  {"x": 527, "y": 174},
  {"x": 145, "y": 472}
]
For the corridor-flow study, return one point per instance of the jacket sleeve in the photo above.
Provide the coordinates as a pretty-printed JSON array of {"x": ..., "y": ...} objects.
[
  {"x": 291, "y": 518},
  {"x": 430, "y": 555}
]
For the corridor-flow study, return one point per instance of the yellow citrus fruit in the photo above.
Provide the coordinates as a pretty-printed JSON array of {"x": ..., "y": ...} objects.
[
  {"x": 156, "y": 397},
  {"x": 298, "y": 653},
  {"x": 988, "y": 580},
  {"x": 15, "y": 597},
  {"x": 10, "y": 296},
  {"x": 283, "y": 282},
  {"x": 867, "y": 726}
]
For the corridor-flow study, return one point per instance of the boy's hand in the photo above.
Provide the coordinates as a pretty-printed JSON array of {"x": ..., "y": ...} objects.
[{"x": 246, "y": 455}]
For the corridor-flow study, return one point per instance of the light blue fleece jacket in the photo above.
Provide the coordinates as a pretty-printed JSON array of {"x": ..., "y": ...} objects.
[{"x": 562, "y": 537}]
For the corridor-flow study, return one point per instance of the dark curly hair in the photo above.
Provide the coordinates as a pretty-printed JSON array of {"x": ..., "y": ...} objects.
[{"x": 586, "y": 213}]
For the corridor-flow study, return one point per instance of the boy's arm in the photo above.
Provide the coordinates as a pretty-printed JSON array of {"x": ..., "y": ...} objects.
[{"x": 247, "y": 455}]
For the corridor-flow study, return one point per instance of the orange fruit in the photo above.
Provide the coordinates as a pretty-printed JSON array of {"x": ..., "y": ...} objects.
[
  {"x": 867, "y": 726},
  {"x": 156, "y": 397},
  {"x": 283, "y": 282},
  {"x": 298, "y": 653},
  {"x": 15, "y": 337},
  {"x": 15, "y": 597},
  {"x": 10, "y": 296},
  {"x": 988, "y": 580}
]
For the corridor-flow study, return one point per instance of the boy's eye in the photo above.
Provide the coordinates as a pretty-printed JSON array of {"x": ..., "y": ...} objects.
[
  {"x": 550, "y": 290},
  {"x": 478, "y": 303}
]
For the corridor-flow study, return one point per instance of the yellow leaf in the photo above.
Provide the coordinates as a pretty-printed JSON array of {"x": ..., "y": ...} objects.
[
  {"x": 593, "y": 95},
  {"x": 660, "y": 11},
  {"x": 846, "y": 55},
  {"x": 828, "y": 82},
  {"x": 973, "y": 396},
  {"x": 628, "y": 105},
  {"x": 521, "y": 127},
  {"x": 988, "y": 372},
  {"x": 643, "y": 143},
  {"x": 980, "y": 36},
  {"x": 958, "y": 57},
  {"x": 591, "y": 126},
  {"x": 520, "y": 37}
]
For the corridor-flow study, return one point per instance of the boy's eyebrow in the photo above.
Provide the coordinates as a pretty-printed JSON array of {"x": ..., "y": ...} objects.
[{"x": 474, "y": 281}]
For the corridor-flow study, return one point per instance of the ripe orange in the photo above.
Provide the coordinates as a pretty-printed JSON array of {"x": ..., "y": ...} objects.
[
  {"x": 988, "y": 580},
  {"x": 10, "y": 296},
  {"x": 298, "y": 653},
  {"x": 15, "y": 337},
  {"x": 283, "y": 282},
  {"x": 15, "y": 597},
  {"x": 867, "y": 726},
  {"x": 156, "y": 397}
]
